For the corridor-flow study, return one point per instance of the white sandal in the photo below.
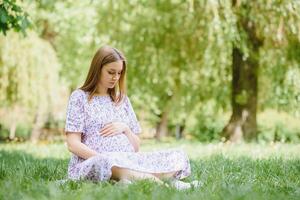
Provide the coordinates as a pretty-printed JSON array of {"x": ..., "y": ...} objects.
[
  {"x": 180, "y": 185},
  {"x": 124, "y": 182},
  {"x": 196, "y": 184}
]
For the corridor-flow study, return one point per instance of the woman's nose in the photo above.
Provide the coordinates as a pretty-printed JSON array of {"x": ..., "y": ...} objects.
[{"x": 115, "y": 76}]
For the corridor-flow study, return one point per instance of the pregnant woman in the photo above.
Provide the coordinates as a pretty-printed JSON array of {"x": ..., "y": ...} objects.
[{"x": 102, "y": 131}]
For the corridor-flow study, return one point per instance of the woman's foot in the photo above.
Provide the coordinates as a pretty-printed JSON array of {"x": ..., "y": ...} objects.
[
  {"x": 180, "y": 185},
  {"x": 196, "y": 184},
  {"x": 124, "y": 182}
]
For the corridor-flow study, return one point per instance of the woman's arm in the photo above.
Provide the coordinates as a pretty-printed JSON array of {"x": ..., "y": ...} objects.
[
  {"x": 77, "y": 147},
  {"x": 133, "y": 139}
]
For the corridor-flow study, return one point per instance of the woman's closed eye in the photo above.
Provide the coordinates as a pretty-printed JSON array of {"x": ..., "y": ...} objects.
[{"x": 113, "y": 73}]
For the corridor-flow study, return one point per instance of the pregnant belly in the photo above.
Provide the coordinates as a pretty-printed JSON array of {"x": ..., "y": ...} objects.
[{"x": 116, "y": 143}]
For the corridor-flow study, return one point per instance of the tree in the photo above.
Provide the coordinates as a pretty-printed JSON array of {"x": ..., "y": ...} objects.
[
  {"x": 29, "y": 82},
  {"x": 13, "y": 17},
  {"x": 164, "y": 59},
  {"x": 257, "y": 24},
  {"x": 58, "y": 23}
]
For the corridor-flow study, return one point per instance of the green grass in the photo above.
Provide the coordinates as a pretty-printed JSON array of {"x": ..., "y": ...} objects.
[{"x": 245, "y": 171}]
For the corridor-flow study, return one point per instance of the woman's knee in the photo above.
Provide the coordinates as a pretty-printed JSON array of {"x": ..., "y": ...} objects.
[{"x": 117, "y": 173}]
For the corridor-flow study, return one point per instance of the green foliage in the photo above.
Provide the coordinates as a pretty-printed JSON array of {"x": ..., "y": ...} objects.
[
  {"x": 206, "y": 122},
  {"x": 279, "y": 81},
  {"x": 208, "y": 129},
  {"x": 12, "y": 16},
  {"x": 166, "y": 57},
  {"x": 242, "y": 97},
  {"x": 29, "y": 81},
  {"x": 70, "y": 26},
  {"x": 4, "y": 132},
  {"x": 179, "y": 63},
  {"x": 274, "y": 126},
  {"x": 33, "y": 71},
  {"x": 23, "y": 131},
  {"x": 179, "y": 56}
]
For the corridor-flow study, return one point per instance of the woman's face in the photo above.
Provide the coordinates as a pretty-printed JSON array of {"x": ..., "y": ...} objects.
[{"x": 110, "y": 74}]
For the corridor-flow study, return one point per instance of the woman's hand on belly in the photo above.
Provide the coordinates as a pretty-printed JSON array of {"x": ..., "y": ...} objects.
[
  {"x": 115, "y": 143},
  {"x": 113, "y": 128}
]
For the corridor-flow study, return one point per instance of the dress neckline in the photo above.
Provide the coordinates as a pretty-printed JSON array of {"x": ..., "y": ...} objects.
[{"x": 101, "y": 96}]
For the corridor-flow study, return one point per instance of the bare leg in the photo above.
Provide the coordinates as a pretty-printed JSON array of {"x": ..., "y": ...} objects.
[
  {"x": 119, "y": 173},
  {"x": 168, "y": 175}
]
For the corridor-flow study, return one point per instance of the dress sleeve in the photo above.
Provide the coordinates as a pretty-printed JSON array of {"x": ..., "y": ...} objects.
[
  {"x": 75, "y": 113},
  {"x": 134, "y": 124}
]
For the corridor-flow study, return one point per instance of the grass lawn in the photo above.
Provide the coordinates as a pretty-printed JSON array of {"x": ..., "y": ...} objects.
[{"x": 245, "y": 171}]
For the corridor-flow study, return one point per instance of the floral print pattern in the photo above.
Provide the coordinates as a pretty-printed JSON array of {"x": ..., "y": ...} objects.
[{"x": 89, "y": 117}]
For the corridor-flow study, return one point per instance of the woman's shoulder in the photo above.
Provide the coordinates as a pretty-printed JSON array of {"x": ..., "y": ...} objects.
[{"x": 78, "y": 94}]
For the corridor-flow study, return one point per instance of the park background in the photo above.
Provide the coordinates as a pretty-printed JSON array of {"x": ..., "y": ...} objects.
[{"x": 219, "y": 78}]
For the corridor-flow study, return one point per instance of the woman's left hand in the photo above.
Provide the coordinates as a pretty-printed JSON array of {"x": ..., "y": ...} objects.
[{"x": 113, "y": 128}]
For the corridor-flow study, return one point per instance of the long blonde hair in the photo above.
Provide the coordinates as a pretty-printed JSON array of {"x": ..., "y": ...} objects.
[{"x": 103, "y": 56}]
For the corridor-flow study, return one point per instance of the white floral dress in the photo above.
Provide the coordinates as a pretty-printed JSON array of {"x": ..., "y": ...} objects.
[{"x": 89, "y": 117}]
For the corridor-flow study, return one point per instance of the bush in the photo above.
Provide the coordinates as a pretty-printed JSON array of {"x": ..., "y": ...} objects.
[
  {"x": 207, "y": 123},
  {"x": 278, "y": 127},
  {"x": 4, "y": 132},
  {"x": 22, "y": 131},
  {"x": 208, "y": 129},
  {"x": 273, "y": 126}
]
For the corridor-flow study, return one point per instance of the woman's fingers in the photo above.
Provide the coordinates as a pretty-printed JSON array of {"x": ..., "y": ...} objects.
[
  {"x": 106, "y": 134},
  {"x": 110, "y": 130},
  {"x": 107, "y": 126},
  {"x": 106, "y": 131},
  {"x": 110, "y": 134}
]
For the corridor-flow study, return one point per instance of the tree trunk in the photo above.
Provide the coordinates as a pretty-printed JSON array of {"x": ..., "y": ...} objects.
[
  {"x": 13, "y": 121},
  {"x": 162, "y": 126},
  {"x": 242, "y": 124},
  {"x": 179, "y": 131},
  {"x": 12, "y": 130},
  {"x": 39, "y": 121}
]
